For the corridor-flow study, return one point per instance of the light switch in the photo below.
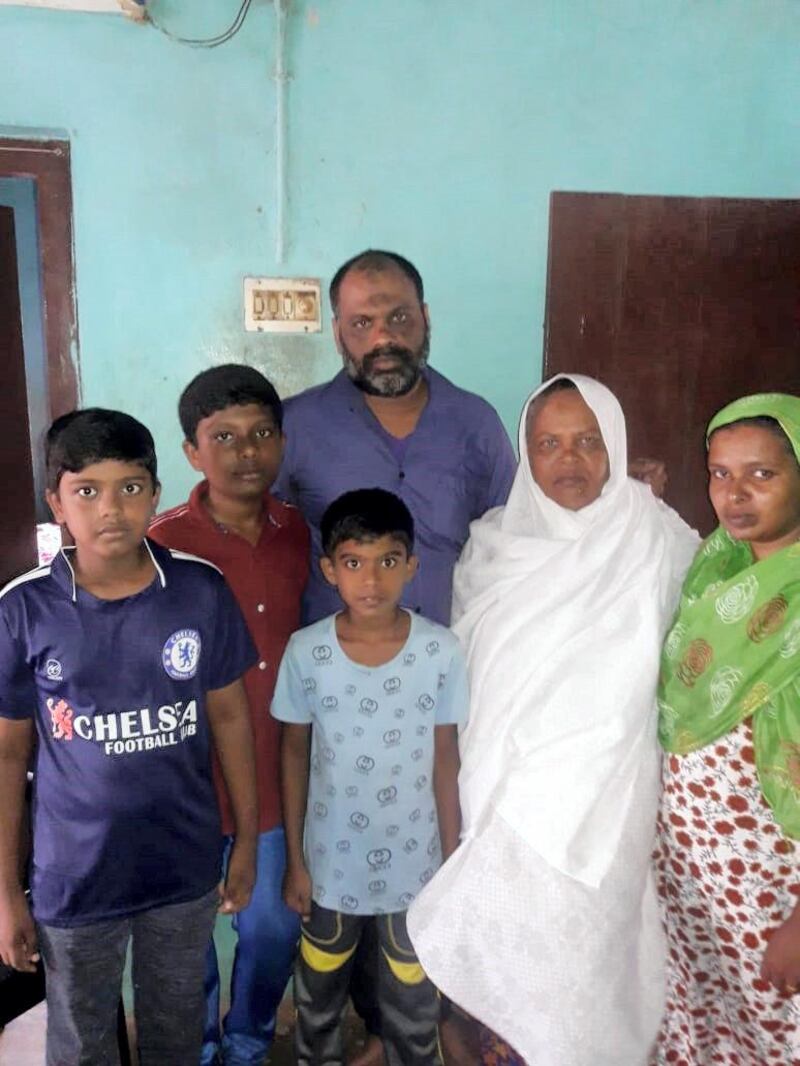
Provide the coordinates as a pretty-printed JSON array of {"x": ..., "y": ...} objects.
[{"x": 282, "y": 305}]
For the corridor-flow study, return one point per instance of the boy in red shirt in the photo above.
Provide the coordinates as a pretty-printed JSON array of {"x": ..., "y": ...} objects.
[{"x": 231, "y": 418}]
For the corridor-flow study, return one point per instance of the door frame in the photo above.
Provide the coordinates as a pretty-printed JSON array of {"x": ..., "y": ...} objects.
[{"x": 47, "y": 162}]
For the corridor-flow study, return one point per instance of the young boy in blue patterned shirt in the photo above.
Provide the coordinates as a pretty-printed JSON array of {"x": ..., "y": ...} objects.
[{"x": 371, "y": 699}]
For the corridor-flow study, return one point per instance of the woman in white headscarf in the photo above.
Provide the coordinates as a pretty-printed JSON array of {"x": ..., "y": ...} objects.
[{"x": 544, "y": 924}]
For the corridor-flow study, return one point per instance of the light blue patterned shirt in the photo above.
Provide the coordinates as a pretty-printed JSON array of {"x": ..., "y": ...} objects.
[{"x": 372, "y": 838}]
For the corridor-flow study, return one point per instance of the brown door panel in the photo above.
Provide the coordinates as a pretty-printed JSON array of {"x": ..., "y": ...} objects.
[{"x": 679, "y": 305}]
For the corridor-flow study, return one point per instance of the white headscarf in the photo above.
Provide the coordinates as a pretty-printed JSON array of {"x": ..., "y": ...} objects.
[{"x": 562, "y": 614}]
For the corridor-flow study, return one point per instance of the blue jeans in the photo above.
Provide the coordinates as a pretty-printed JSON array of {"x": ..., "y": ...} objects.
[{"x": 267, "y": 937}]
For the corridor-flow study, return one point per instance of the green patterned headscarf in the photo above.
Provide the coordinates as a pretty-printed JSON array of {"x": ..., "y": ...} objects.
[{"x": 734, "y": 647}]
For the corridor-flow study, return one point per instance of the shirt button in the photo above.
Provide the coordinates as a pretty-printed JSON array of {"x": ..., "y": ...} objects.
[
  {"x": 262, "y": 665},
  {"x": 401, "y": 475},
  {"x": 261, "y": 608}
]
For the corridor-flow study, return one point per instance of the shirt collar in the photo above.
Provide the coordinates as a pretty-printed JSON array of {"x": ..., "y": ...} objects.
[
  {"x": 355, "y": 397},
  {"x": 63, "y": 572},
  {"x": 199, "y": 511}
]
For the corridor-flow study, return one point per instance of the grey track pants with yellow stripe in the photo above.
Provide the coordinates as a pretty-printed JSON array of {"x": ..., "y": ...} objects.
[{"x": 407, "y": 1000}]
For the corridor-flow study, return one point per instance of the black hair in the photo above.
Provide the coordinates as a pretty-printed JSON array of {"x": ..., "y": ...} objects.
[
  {"x": 373, "y": 260},
  {"x": 559, "y": 385},
  {"x": 772, "y": 425},
  {"x": 365, "y": 515},
  {"x": 80, "y": 438},
  {"x": 229, "y": 385}
]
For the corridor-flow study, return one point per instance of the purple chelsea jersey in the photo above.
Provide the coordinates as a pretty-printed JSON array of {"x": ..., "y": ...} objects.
[
  {"x": 456, "y": 465},
  {"x": 124, "y": 814}
]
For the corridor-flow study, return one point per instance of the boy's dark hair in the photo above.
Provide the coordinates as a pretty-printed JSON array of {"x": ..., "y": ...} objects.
[
  {"x": 772, "y": 425},
  {"x": 366, "y": 515},
  {"x": 80, "y": 438},
  {"x": 373, "y": 260},
  {"x": 229, "y": 385}
]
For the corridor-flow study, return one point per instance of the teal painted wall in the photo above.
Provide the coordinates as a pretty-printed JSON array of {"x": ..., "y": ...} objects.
[{"x": 435, "y": 127}]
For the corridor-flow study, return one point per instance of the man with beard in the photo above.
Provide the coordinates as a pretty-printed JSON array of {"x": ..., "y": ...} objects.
[{"x": 387, "y": 420}]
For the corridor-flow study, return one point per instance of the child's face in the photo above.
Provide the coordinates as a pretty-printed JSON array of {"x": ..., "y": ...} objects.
[
  {"x": 107, "y": 507},
  {"x": 370, "y": 575},
  {"x": 239, "y": 449}
]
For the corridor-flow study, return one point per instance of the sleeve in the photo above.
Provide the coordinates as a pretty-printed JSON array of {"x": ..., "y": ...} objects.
[
  {"x": 460, "y": 598},
  {"x": 290, "y": 702},
  {"x": 282, "y": 486},
  {"x": 17, "y": 683},
  {"x": 232, "y": 649},
  {"x": 502, "y": 465},
  {"x": 452, "y": 705},
  {"x": 302, "y": 538},
  {"x": 683, "y": 543}
]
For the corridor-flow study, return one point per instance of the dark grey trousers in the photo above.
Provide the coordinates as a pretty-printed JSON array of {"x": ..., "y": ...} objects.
[
  {"x": 407, "y": 1001},
  {"x": 83, "y": 969}
]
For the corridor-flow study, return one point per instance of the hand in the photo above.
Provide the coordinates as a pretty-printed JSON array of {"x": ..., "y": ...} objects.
[
  {"x": 297, "y": 889},
  {"x": 781, "y": 962},
  {"x": 652, "y": 472},
  {"x": 18, "y": 946},
  {"x": 235, "y": 891}
]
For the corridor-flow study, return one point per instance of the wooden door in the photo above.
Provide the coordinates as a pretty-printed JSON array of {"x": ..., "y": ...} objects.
[
  {"x": 679, "y": 305},
  {"x": 18, "y": 513}
]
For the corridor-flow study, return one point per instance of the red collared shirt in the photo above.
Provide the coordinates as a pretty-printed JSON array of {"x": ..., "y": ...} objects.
[{"x": 268, "y": 581}]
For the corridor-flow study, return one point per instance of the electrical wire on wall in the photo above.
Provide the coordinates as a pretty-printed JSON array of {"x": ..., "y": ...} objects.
[
  {"x": 281, "y": 78},
  {"x": 204, "y": 42}
]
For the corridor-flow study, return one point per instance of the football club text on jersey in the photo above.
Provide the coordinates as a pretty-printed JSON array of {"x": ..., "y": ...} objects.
[{"x": 124, "y": 732}]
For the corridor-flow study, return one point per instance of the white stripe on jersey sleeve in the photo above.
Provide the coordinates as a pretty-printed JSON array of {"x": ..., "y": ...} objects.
[{"x": 30, "y": 575}]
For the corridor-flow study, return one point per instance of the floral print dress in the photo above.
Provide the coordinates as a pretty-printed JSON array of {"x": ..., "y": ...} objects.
[{"x": 727, "y": 878}]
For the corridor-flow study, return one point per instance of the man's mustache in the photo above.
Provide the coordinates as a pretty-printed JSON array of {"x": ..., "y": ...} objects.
[{"x": 405, "y": 355}]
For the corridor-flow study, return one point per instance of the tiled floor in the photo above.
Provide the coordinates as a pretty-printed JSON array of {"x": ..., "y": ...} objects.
[{"x": 22, "y": 1042}]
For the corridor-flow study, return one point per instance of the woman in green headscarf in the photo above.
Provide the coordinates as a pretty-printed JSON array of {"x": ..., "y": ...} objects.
[{"x": 729, "y": 699}]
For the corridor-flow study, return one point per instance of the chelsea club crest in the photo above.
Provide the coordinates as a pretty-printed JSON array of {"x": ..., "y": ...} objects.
[{"x": 181, "y": 654}]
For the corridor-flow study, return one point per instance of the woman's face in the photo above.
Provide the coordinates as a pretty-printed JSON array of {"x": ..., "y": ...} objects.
[
  {"x": 568, "y": 458},
  {"x": 754, "y": 486}
]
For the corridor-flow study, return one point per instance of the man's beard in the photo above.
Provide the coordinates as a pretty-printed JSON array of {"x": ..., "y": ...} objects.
[{"x": 398, "y": 381}]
